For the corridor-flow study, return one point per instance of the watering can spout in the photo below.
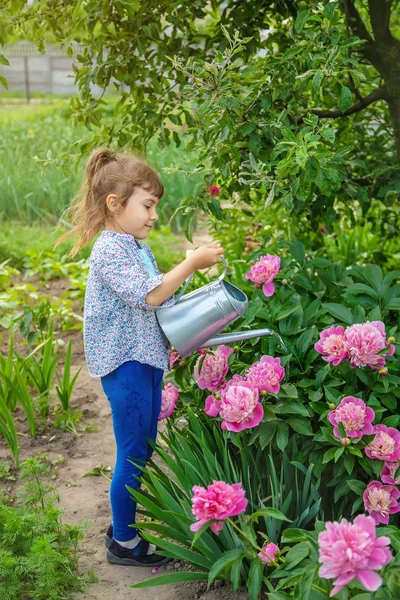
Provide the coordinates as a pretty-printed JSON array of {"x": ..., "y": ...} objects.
[{"x": 239, "y": 336}]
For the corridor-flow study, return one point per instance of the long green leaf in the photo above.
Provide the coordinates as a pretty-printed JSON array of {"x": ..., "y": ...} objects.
[
  {"x": 7, "y": 427},
  {"x": 170, "y": 578},
  {"x": 254, "y": 579},
  {"x": 226, "y": 560},
  {"x": 21, "y": 393},
  {"x": 179, "y": 552}
]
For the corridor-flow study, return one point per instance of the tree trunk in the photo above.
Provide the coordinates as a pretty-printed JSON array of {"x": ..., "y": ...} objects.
[{"x": 393, "y": 101}]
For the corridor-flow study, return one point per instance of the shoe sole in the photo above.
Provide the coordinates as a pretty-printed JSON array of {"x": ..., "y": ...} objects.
[
  {"x": 107, "y": 541},
  {"x": 115, "y": 560}
]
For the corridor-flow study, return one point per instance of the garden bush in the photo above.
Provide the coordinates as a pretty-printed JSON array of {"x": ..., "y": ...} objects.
[
  {"x": 38, "y": 552},
  {"x": 321, "y": 427}
]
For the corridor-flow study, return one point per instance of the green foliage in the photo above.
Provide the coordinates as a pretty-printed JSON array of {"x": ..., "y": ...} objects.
[
  {"x": 199, "y": 454},
  {"x": 311, "y": 295},
  {"x": 38, "y": 555},
  {"x": 294, "y": 104},
  {"x": 68, "y": 417}
]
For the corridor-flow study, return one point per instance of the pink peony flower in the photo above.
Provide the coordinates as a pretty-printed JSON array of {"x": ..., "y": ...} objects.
[
  {"x": 214, "y": 368},
  {"x": 213, "y": 189},
  {"x": 385, "y": 445},
  {"x": 332, "y": 345},
  {"x": 270, "y": 549},
  {"x": 355, "y": 415},
  {"x": 264, "y": 272},
  {"x": 389, "y": 471},
  {"x": 266, "y": 374},
  {"x": 169, "y": 397},
  {"x": 216, "y": 503},
  {"x": 352, "y": 550},
  {"x": 239, "y": 407},
  {"x": 381, "y": 501},
  {"x": 175, "y": 356},
  {"x": 364, "y": 341},
  {"x": 212, "y": 406}
]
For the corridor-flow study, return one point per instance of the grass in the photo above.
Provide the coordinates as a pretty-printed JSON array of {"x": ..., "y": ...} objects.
[{"x": 35, "y": 132}]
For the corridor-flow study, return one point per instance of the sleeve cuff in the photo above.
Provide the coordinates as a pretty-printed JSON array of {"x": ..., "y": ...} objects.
[{"x": 151, "y": 284}]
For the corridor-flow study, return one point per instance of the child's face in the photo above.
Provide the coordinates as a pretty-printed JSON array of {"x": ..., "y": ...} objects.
[{"x": 139, "y": 214}]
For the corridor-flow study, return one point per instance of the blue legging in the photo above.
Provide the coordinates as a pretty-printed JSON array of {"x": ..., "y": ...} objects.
[{"x": 134, "y": 393}]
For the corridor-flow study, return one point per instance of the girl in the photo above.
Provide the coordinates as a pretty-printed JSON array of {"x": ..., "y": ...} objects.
[{"x": 123, "y": 342}]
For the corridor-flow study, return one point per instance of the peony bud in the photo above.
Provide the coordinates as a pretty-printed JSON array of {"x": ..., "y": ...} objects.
[
  {"x": 284, "y": 282},
  {"x": 346, "y": 441},
  {"x": 383, "y": 371},
  {"x": 391, "y": 340},
  {"x": 332, "y": 406},
  {"x": 180, "y": 363},
  {"x": 236, "y": 348},
  {"x": 323, "y": 229}
]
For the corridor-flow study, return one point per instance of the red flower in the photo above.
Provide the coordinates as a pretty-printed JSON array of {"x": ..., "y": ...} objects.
[{"x": 213, "y": 189}]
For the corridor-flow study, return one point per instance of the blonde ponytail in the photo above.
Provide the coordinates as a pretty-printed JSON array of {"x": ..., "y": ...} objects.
[{"x": 106, "y": 173}]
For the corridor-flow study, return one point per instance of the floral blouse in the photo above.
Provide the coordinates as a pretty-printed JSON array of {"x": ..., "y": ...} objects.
[{"x": 118, "y": 324}]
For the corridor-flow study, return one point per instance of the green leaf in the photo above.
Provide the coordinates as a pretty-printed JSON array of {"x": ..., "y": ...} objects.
[
  {"x": 170, "y": 578},
  {"x": 273, "y": 513},
  {"x": 254, "y": 580},
  {"x": 349, "y": 463},
  {"x": 301, "y": 18},
  {"x": 293, "y": 535},
  {"x": 296, "y": 555},
  {"x": 291, "y": 407},
  {"x": 339, "y": 453},
  {"x": 373, "y": 274},
  {"x": 297, "y": 250},
  {"x": 329, "y": 455},
  {"x": 289, "y": 390},
  {"x": 235, "y": 574},
  {"x": 361, "y": 288},
  {"x": 3, "y": 60},
  {"x": 267, "y": 432},
  {"x": 304, "y": 341},
  {"x": 345, "y": 98},
  {"x": 224, "y": 561},
  {"x": 341, "y": 429},
  {"x": 339, "y": 312},
  {"x": 300, "y": 425},
  {"x": 393, "y": 304},
  {"x": 3, "y": 82},
  {"x": 282, "y": 436},
  {"x": 316, "y": 82},
  {"x": 358, "y": 487}
]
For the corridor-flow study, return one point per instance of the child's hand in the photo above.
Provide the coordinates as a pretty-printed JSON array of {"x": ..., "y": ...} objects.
[{"x": 206, "y": 256}]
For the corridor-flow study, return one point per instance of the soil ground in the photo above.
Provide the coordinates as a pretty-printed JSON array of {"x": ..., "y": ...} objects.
[{"x": 87, "y": 498}]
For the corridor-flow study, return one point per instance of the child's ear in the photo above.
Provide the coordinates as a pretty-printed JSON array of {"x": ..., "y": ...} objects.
[{"x": 113, "y": 204}]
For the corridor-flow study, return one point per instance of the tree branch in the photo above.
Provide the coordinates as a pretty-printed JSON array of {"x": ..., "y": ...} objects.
[{"x": 377, "y": 94}]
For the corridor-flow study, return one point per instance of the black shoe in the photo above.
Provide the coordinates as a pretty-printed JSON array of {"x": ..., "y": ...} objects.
[
  {"x": 108, "y": 536},
  {"x": 138, "y": 557}
]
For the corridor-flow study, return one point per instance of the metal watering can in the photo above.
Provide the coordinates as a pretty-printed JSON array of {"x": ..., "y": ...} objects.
[{"x": 196, "y": 318}]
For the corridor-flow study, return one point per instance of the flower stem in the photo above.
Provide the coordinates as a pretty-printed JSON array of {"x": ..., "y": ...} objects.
[{"x": 314, "y": 585}]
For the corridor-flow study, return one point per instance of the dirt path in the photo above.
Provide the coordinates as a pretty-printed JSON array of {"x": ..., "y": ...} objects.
[{"x": 87, "y": 498}]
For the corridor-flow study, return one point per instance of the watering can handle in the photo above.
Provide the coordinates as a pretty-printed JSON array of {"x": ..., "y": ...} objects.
[{"x": 189, "y": 279}]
